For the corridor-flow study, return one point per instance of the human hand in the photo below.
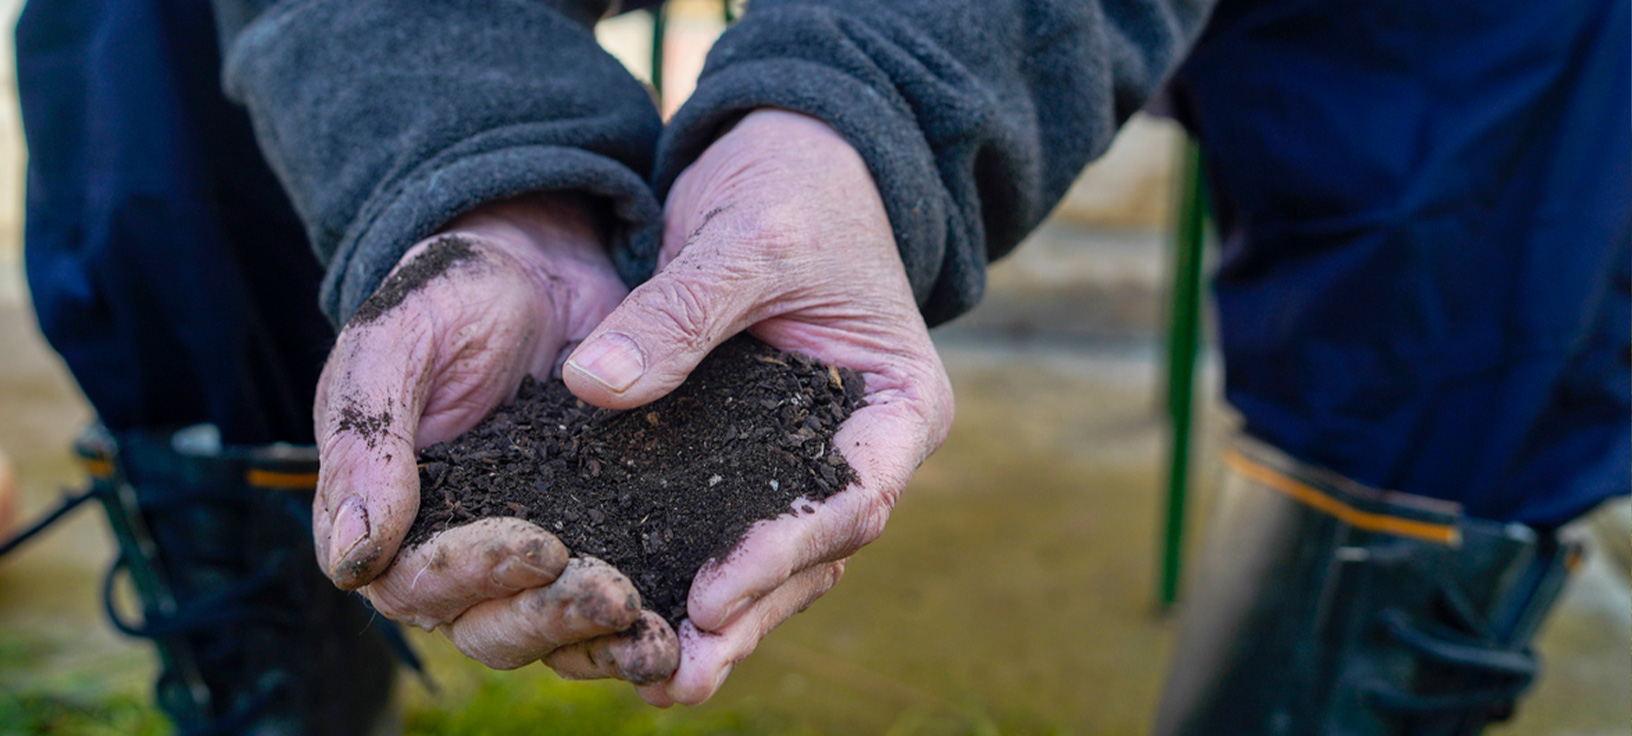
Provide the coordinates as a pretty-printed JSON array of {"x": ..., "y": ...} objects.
[
  {"x": 777, "y": 228},
  {"x": 443, "y": 341}
]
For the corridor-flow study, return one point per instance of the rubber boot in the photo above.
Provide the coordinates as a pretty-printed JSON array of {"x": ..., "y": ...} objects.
[
  {"x": 216, "y": 542},
  {"x": 1322, "y": 606}
]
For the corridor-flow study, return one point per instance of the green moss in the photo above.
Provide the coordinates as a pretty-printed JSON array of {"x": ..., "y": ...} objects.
[
  {"x": 470, "y": 700},
  {"x": 532, "y": 704},
  {"x": 37, "y": 714}
]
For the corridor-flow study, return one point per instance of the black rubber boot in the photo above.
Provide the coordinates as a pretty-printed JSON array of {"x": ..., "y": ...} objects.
[
  {"x": 217, "y": 544},
  {"x": 1325, "y": 607}
]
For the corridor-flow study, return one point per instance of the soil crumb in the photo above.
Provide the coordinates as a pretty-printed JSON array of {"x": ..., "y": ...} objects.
[
  {"x": 442, "y": 254},
  {"x": 656, "y": 491},
  {"x": 369, "y": 426}
]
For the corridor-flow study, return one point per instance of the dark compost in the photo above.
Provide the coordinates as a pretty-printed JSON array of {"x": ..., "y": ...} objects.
[{"x": 655, "y": 491}]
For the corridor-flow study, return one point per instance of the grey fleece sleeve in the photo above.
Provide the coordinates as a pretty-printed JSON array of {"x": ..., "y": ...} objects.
[
  {"x": 387, "y": 118},
  {"x": 974, "y": 116}
]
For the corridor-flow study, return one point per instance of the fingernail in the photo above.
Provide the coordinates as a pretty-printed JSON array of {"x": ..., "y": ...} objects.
[
  {"x": 612, "y": 359},
  {"x": 350, "y": 529},
  {"x": 517, "y": 572},
  {"x": 734, "y": 610}
]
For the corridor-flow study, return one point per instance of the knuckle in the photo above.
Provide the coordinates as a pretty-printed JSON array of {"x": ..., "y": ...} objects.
[
  {"x": 399, "y": 608},
  {"x": 828, "y": 577},
  {"x": 682, "y": 306},
  {"x": 872, "y": 525},
  {"x": 696, "y": 298},
  {"x": 339, "y": 452},
  {"x": 575, "y": 662},
  {"x": 335, "y": 442},
  {"x": 494, "y": 551},
  {"x": 544, "y": 602},
  {"x": 386, "y": 604}
]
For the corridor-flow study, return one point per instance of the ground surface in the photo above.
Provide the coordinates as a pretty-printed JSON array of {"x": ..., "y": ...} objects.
[{"x": 1011, "y": 592}]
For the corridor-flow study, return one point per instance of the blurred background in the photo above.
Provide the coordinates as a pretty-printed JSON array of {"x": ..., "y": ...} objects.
[{"x": 1014, "y": 592}]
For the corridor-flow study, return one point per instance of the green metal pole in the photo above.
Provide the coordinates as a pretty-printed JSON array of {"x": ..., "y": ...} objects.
[{"x": 1183, "y": 337}]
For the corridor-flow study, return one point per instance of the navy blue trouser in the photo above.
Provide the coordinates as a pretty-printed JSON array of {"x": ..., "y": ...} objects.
[
  {"x": 1423, "y": 286},
  {"x": 1426, "y": 211},
  {"x": 166, "y": 264}
]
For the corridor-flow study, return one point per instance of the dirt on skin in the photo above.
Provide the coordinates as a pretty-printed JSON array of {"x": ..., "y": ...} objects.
[
  {"x": 660, "y": 490},
  {"x": 442, "y": 254},
  {"x": 363, "y": 424}
]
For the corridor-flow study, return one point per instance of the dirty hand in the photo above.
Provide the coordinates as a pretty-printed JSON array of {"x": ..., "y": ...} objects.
[
  {"x": 445, "y": 339},
  {"x": 778, "y": 229}
]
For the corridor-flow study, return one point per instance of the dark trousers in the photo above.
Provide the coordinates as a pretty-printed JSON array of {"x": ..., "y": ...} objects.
[
  {"x": 1426, "y": 210},
  {"x": 165, "y": 263}
]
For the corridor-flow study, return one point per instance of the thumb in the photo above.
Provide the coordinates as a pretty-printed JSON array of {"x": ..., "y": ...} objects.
[
  {"x": 663, "y": 329},
  {"x": 445, "y": 339},
  {"x": 369, "y": 403}
]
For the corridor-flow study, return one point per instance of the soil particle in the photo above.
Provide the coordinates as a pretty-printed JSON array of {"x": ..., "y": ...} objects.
[
  {"x": 442, "y": 254},
  {"x": 659, "y": 490},
  {"x": 368, "y": 426}
]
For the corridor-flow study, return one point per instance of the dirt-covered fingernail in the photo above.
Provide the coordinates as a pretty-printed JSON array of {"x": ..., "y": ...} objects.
[
  {"x": 350, "y": 525},
  {"x": 352, "y": 550},
  {"x": 517, "y": 572},
  {"x": 613, "y": 360},
  {"x": 646, "y": 653}
]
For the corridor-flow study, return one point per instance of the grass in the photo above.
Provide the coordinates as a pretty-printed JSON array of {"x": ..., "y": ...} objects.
[
  {"x": 36, "y": 714},
  {"x": 73, "y": 704},
  {"x": 470, "y": 700},
  {"x": 539, "y": 704}
]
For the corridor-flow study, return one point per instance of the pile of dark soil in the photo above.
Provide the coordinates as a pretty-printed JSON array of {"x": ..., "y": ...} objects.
[{"x": 656, "y": 491}]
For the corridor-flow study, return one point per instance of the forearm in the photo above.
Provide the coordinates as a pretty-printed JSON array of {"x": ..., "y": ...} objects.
[
  {"x": 973, "y": 117},
  {"x": 387, "y": 119}
]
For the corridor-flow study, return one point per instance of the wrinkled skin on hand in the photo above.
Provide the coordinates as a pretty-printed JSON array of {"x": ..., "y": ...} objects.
[
  {"x": 779, "y": 229},
  {"x": 444, "y": 340}
]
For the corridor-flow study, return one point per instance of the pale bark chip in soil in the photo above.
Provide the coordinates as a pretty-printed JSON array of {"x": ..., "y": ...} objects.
[{"x": 655, "y": 491}]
